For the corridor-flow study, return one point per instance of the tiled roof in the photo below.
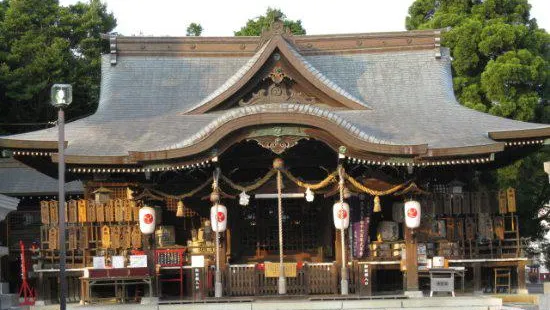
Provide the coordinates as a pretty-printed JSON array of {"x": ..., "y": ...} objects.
[
  {"x": 409, "y": 93},
  {"x": 19, "y": 179}
]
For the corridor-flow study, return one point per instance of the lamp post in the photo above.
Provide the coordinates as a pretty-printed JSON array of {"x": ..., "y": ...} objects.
[{"x": 61, "y": 97}]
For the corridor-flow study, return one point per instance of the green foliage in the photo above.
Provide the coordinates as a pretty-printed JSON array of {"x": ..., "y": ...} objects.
[
  {"x": 43, "y": 43},
  {"x": 194, "y": 30},
  {"x": 255, "y": 26},
  {"x": 501, "y": 66}
]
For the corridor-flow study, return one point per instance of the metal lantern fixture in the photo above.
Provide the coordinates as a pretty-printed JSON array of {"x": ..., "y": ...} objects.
[
  {"x": 147, "y": 220},
  {"x": 340, "y": 213},
  {"x": 309, "y": 195},
  {"x": 218, "y": 217},
  {"x": 61, "y": 95},
  {"x": 412, "y": 214}
]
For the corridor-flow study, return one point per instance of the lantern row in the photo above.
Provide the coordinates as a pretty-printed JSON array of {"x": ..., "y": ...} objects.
[
  {"x": 205, "y": 163},
  {"x": 481, "y": 160}
]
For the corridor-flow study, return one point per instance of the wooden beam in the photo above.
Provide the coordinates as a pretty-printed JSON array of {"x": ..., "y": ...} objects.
[{"x": 411, "y": 261}]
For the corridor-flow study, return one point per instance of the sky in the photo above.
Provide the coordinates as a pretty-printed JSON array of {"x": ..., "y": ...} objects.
[{"x": 222, "y": 18}]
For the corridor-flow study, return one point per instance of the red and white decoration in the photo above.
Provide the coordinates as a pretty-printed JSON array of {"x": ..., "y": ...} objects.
[
  {"x": 147, "y": 220},
  {"x": 218, "y": 218},
  {"x": 412, "y": 214},
  {"x": 340, "y": 213}
]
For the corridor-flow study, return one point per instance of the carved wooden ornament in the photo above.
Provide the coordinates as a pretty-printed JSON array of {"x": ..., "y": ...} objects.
[
  {"x": 45, "y": 212},
  {"x": 278, "y": 144},
  {"x": 105, "y": 237}
]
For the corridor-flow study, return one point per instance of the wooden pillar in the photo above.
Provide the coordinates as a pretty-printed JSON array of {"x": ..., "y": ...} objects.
[
  {"x": 411, "y": 261},
  {"x": 337, "y": 247},
  {"x": 522, "y": 287},
  {"x": 477, "y": 277}
]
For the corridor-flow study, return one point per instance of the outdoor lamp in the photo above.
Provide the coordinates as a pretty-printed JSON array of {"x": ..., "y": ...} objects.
[{"x": 61, "y": 95}]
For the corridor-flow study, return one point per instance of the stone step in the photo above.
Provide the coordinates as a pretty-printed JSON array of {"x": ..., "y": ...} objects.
[{"x": 8, "y": 300}]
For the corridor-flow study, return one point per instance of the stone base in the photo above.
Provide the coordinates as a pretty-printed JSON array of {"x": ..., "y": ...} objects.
[
  {"x": 149, "y": 300},
  {"x": 413, "y": 294},
  {"x": 523, "y": 291}
]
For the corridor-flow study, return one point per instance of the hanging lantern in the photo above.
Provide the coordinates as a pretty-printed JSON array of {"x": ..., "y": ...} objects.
[
  {"x": 218, "y": 217},
  {"x": 244, "y": 199},
  {"x": 179, "y": 211},
  {"x": 309, "y": 195},
  {"x": 147, "y": 220},
  {"x": 340, "y": 213},
  {"x": 412, "y": 213},
  {"x": 377, "y": 206}
]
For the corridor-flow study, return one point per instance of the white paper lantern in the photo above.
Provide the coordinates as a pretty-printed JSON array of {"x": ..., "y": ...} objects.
[
  {"x": 147, "y": 220},
  {"x": 218, "y": 217},
  {"x": 340, "y": 213},
  {"x": 412, "y": 213}
]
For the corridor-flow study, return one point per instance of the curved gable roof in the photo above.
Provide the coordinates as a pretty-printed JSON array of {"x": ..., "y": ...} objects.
[{"x": 253, "y": 66}]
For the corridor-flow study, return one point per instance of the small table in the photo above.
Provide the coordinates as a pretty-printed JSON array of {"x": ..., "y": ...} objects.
[{"x": 118, "y": 278}]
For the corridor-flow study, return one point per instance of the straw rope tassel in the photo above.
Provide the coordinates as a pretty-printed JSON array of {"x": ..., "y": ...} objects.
[{"x": 377, "y": 206}]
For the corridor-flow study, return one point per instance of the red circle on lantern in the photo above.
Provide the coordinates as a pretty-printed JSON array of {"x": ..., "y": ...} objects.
[
  {"x": 412, "y": 213},
  {"x": 221, "y": 217},
  {"x": 342, "y": 214},
  {"x": 148, "y": 218}
]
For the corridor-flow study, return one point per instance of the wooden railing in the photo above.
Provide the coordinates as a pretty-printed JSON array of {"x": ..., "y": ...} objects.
[{"x": 313, "y": 278}]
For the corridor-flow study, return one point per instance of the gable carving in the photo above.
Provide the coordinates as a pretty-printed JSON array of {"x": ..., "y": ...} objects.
[{"x": 278, "y": 93}]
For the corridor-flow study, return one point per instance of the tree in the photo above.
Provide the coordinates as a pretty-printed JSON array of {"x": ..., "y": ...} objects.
[
  {"x": 194, "y": 30},
  {"x": 43, "y": 43},
  {"x": 255, "y": 26},
  {"x": 500, "y": 66},
  {"x": 500, "y": 55}
]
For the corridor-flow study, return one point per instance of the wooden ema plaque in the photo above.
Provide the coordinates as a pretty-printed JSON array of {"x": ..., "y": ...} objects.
[
  {"x": 83, "y": 239},
  {"x": 115, "y": 237},
  {"x": 502, "y": 202},
  {"x": 136, "y": 237},
  {"x": 53, "y": 212},
  {"x": 105, "y": 237},
  {"x": 100, "y": 212},
  {"x": 126, "y": 237},
  {"x": 91, "y": 212},
  {"x": 127, "y": 211},
  {"x": 135, "y": 210},
  {"x": 52, "y": 238},
  {"x": 470, "y": 229},
  {"x": 119, "y": 210},
  {"x": 72, "y": 211},
  {"x": 109, "y": 211},
  {"x": 73, "y": 238},
  {"x": 511, "y": 197},
  {"x": 499, "y": 227},
  {"x": 45, "y": 212},
  {"x": 82, "y": 213}
]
